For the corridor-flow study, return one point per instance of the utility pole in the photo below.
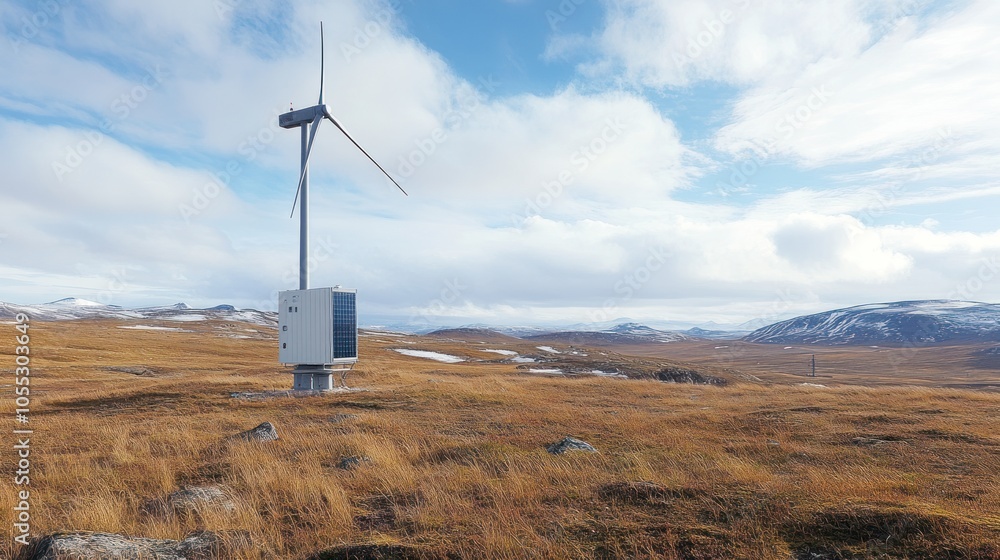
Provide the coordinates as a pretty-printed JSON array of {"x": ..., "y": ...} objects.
[{"x": 814, "y": 365}]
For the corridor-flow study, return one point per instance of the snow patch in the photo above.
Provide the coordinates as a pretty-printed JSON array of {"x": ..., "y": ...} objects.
[
  {"x": 601, "y": 373},
  {"x": 548, "y": 349},
  {"x": 501, "y": 352},
  {"x": 545, "y": 370},
  {"x": 436, "y": 356},
  {"x": 184, "y": 318}
]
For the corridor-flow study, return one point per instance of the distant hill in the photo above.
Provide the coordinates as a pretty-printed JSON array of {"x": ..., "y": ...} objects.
[
  {"x": 70, "y": 309},
  {"x": 696, "y": 332},
  {"x": 625, "y": 333},
  {"x": 898, "y": 323},
  {"x": 473, "y": 334}
]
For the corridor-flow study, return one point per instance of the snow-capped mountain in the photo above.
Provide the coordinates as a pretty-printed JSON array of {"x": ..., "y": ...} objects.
[
  {"x": 903, "y": 322},
  {"x": 698, "y": 332},
  {"x": 515, "y": 331},
  {"x": 74, "y": 308},
  {"x": 67, "y": 309},
  {"x": 624, "y": 333},
  {"x": 635, "y": 330},
  {"x": 181, "y": 312}
]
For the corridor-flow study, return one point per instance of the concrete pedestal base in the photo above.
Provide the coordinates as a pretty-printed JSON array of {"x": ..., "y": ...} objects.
[
  {"x": 303, "y": 382},
  {"x": 316, "y": 378}
]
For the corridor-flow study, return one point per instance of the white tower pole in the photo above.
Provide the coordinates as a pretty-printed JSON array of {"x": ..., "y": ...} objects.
[{"x": 304, "y": 214}]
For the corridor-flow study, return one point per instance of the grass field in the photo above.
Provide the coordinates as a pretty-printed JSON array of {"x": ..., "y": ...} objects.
[{"x": 456, "y": 460}]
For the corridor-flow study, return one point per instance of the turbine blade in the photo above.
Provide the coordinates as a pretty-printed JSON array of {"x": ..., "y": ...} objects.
[
  {"x": 386, "y": 173},
  {"x": 305, "y": 166},
  {"x": 322, "y": 62}
]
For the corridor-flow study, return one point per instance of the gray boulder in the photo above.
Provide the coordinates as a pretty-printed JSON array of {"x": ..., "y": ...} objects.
[
  {"x": 261, "y": 433},
  {"x": 675, "y": 374},
  {"x": 192, "y": 500},
  {"x": 203, "y": 545},
  {"x": 351, "y": 463},
  {"x": 570, "y": 444}
]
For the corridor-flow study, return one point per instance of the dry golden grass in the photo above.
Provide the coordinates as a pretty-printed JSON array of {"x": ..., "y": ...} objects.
[
  {"x": 958, "y": 366},
  {"x": 458, "y": 465}
]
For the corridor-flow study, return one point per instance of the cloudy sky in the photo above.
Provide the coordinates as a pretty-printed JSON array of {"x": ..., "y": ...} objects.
[{"x": 567, "y": 160}]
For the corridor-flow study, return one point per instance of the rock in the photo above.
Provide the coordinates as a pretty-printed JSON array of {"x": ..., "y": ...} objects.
[
  {"x": 685, "y": 375},
  {"x": 773, "y": 442},
  {"x": 570, "y": 444},
  {"x": 203, "y": 545},
  {"x": 208, "y": 545},
  {"x": 197, "y": 498},
  {"x": 263, "y": 432},
  {"x": 350, "y": 463},
  {"x": 192, "y": 500},
  {"x": 97, "y": 546}
]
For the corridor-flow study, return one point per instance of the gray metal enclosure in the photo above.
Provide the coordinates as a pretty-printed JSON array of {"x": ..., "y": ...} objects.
[{"x": 318, "y": 326}]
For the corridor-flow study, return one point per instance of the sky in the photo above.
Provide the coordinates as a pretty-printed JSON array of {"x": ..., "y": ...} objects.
[{"x": 567, "y": 161}]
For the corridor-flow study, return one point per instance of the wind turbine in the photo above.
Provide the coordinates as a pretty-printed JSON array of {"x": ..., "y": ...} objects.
[
  {"x": 309, "y": 120},
  {"x": 318, "y": 327}
]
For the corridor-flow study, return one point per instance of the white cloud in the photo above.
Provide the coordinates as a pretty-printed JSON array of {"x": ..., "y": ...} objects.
[
  {"x": 524, "y": 207},
  {"x": 922, "y": 102},
  {"x": 676, "y": 43}
]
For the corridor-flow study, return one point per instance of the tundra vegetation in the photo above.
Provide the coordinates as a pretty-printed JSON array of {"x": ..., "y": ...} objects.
[{"x": 435, "y": 460}]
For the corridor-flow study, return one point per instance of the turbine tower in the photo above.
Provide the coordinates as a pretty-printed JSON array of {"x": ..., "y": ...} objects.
[
  {"x": 308, "y": 120},
  {"x": 324, "y": 333}
]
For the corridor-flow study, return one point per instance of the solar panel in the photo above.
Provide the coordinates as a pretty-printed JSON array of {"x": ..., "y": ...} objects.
[{"x": 345, "y": 325}]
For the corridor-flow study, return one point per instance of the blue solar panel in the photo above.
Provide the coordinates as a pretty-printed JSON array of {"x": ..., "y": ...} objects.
[{"x": 345, "y": 325}]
